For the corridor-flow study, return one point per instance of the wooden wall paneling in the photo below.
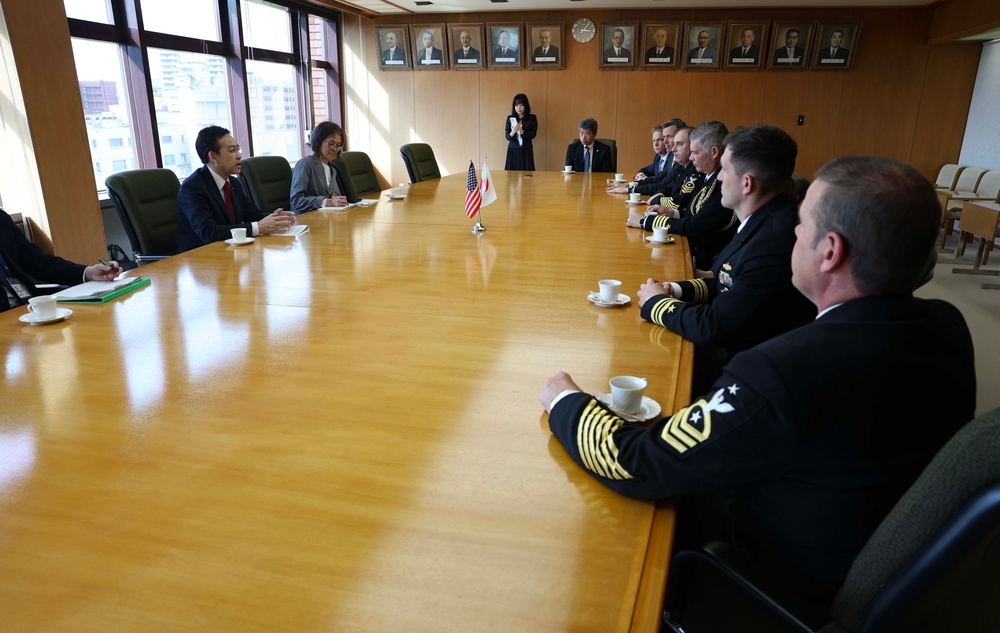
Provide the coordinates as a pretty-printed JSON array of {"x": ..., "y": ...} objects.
[
  {"x": 960, "y": 18},
  {"x": 639, "y": 109},
  {"x": 446, "y": 116},
  {"x": 734, "y": 98},
  {"x": 817, "y": 97},
  {"x": 57, "y": 156},
  {"x": 949, "y": 79}
]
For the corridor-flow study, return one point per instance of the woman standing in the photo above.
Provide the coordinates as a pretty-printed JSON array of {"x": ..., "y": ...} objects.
[
  {"x": 522, "y": 126},
  {"x": 321, "y": 180}
]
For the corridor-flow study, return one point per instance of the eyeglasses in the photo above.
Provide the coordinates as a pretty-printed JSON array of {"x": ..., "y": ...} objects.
[
  {"x": 232, "y": 149},
  {"x": 333, "y": 146}
]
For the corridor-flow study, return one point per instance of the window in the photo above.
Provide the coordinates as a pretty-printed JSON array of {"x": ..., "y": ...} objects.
[
  {"x": 175, "y": 18},
  {"x": 168, "y": 160},
  {"x": 266, "y": 25},
  {"x": 90, "y": 10},
  {"x": 166, "y": 140},
  {"x": 116, "y": 142},
  {"x": 119, "y": 165},
  {"x": 93, "y": 144}
]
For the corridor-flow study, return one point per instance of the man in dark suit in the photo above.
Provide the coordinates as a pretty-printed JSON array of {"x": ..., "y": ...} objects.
[
  {"x": 617, "y": 53},
  {"x": 22, "y": 263},
  {"x": 704, "y": 52},
  {"x": 465, "y": 54},
  {"x": 660, "y": 53},
  {"x": 504, "y": 53},
  {"x": 747, "y": 52},
  {"x": 673, "y": 188},
  {"x": 211, "y": 201},
  {"x": 806, "y": 441},
  {"x": 545, "y": 53},
  {"x": 393, "y": 54},
  {"x": 749, "y": 297},
  {"x": 587, "y": 154},
  {"x": 429, "y": 55},
  {"x": 791, "y": 54},
  {"x": 835, "y": 54}
]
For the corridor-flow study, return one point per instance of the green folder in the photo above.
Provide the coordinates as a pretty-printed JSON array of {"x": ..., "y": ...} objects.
[{"x": 100, "y": 291}]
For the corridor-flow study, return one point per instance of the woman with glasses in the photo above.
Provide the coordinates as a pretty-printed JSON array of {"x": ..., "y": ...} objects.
[{"x": 321, "y": 180}]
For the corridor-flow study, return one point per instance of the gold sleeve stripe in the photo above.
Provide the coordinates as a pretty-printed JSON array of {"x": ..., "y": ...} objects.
[
  {"x": 662, "y": 308},
  {"x": 661, "y": 220},
  {"x": 673, "y": 434},
  {"x": 597, "y": 448},
  {"x": 671, "y": 204},
  {"x": 700, "y": 290}
]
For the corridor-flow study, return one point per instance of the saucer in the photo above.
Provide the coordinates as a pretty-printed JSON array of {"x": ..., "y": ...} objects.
[
  {"x": 392, "y": 197},
  {"x": 568, "y": 172},
  {"x": 619, "y": 182},
  {"x": 650, "y": 408},
  {"x": 635, "y": 202},
  {"x": 233, "y": 242},
  {"x": 653, "y": 240},
  {"x": 33, "y": 319},
  {"x": 595, "y": 298}
]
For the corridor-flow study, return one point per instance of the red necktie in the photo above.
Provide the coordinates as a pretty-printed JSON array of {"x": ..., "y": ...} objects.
[{"x": 229, "y": 203}]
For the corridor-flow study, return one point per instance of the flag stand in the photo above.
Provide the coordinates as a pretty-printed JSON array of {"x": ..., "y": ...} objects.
[{"x": 478, "y": 228}]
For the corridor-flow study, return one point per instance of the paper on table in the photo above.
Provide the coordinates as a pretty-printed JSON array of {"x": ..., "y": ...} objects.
[
  {"x": 337, "y": 208},
  {"x": 366, "y": 203},
  {"x": 295, "y": 229},
  {"x": 96, "y": 288}
]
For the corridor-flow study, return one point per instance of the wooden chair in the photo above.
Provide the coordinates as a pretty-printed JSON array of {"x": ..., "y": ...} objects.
[
  {"x": 966, "y": 187},
  {"x": 947, "y": 176}
]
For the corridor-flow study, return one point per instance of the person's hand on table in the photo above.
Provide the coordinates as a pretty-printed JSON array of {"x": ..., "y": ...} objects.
[
  {"x": 555, "y": 386},
  {"x": 639, "y": 176},
  {"x": 617, "y": 189},
  {"x": 100, "y": 272},
  {"x": 635, "y": 218},
  {"x": 276, "y": 222},
  {"x": 703, "y": 274},
  {"x": 335, "y": 201},
  {"x": 662, "y": 210},
  {"x": 653, "y": 288},
  {"x": 654, "y": 199}
]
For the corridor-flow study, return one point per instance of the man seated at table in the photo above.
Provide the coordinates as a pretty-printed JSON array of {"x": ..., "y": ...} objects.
[
  {"x": 707, "y": 224},
  {"x": 806, "y": 441},
  {"x": 22, "y": 263},
  {"x": 658, "y": 181},
  {"x": 661, "y": 156},
  {"x": 587, "y": 154},
  {"x": 211, "y": 202},
  {"x": 675, "y": 190},
  {"x": 749, "y": 297}
]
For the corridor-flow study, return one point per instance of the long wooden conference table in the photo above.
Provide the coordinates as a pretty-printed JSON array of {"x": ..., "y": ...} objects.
[{"x": 341, "y": 431}]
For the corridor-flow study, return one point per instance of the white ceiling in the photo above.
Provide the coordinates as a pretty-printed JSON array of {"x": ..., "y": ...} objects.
[{"x": 390, "y": 7}]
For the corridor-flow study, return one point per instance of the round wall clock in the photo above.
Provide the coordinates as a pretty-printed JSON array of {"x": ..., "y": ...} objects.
[{"x": 583, "y": 30}]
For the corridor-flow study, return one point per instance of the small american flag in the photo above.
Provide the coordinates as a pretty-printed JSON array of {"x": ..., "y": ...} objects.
[{"x": 473, "y": 198}]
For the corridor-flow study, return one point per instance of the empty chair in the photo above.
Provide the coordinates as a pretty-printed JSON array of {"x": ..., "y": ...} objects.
[
  {"x": 933, "y": 564},
  {"x": 361, "y": 172},
  {"x": 420, "y": 162},
  {"x": 268, "y": 181},
  {"x": 947, "y": 176},
  {"x": 610, "y": 142},
  {"x": 987, "y": 188},
  {"x": 968, "y": 179},
  {"x": 146, "y": 202}
]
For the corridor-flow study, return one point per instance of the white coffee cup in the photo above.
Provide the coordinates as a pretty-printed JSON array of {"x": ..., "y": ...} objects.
[
  {"x": 396, "y": 192},
  {"x": 609, "y": 289},
  {"x": 568, "y": 168},
  {"x": 660, "y": 233},
  {"x": 626, "y": 393},
  {"x": 44, "y": 307},
  {"x": 634, "y": 197},
  {"x": 619, "y": 177},
  {"x": 239, "y": 235}
]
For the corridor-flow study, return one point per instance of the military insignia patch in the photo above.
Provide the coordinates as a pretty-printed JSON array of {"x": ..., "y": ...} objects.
[
  {"x": 726, "y": 266},
  {"x": 692, "y": 425},
  {"x": 725, "y": 279}
]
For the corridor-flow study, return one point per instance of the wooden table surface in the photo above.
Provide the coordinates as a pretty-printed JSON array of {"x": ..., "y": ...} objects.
[{"x": 341, "y": 431}]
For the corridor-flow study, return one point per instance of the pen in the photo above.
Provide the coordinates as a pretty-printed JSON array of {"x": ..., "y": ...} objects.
[{"x": 107, "y": 263}]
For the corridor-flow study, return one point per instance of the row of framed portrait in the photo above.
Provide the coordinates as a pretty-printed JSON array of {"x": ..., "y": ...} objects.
[{"x": 732, "y": 45}]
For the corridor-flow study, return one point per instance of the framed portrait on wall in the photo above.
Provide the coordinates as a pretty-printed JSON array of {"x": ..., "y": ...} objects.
[
  {"x": 430, "y": 49},
  {"x": 703, "y": 45},
  {"x": 393, "y": 45},
  {"x": 836, "y": 45},
  {"x": 789, "y": 48},
  {"x": 466, "y": 41},
  {"x": 660, "y": 41},
  {"x": 618, "y": 42},
  {"x": 505, "y": 45},
  {"x": 747, "y": 43},
  {"x": 545, "y": 41}
]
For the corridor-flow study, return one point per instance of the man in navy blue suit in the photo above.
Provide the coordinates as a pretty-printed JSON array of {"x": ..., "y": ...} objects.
[
  {"x": 211, "y": 202},
  {"x": 661, "y": 155},
  {"x": 588, "y": 154}
]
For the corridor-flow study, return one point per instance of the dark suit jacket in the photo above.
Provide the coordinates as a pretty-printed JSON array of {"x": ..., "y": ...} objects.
[
  {"x": 817, "y": 433},
  {"x": 29, "y": 263},
  {"x": 670, "y": 184},
  {"x": 710, "y": 53},
  {"x": 609, "y": 53},
  {"x": 309, "y": 186},
  {"x": 653, "y": 169},
  {"x": 201, "y": 211},
  {"x": 398, "y": 54},
  {"x": 600, "y": 158},
  {"x": 435, "y": 55},
  {"x": 824, "y": 53},
  {"x": 738, "y": 53},
  {"x": 707, "y": 224},
  {"x": 473, "y": 54},
  {"x": 782, "y": 53},
  {"x": 668, "y": 51},
  {"x": 553, "y": 52},
  {"x": 510, "y": 54}
]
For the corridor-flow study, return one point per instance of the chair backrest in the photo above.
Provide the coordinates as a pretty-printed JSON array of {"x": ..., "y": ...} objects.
[
  {"x": 969, "y": 178},
  {"x": 947, "y": 176},
  {"x": 934, "y": 562},
  {"x": 146, "y": 202},
  {"x": 614, "y": 151},
  {"x": 800, "y": 185},
  {"x": 989, "y": 184},
  {"x": 268, "y": 180},
  {"x": 362, "y": 172},
  {"x": 420, "y": 162}
]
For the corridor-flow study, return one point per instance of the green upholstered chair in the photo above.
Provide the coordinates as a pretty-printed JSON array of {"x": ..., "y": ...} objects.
[
  {"x": 361, "y": 172},
  {"x": 799, "y": 184},
  {"x": 610, "y": 142},
  {"x": 420, "y": 162},
  {"x": 146, "y": 202},
  {"x": 268, "y": 180},
  {"x": 933, "y": 564}
]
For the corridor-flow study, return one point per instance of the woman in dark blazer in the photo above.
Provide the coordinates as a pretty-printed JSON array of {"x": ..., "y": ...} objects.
[
  {"x": 520, "y": 155},
  {"x": 321, "y": 180}
]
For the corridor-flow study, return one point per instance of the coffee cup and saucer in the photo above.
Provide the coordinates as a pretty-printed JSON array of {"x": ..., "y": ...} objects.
[
  {"x": 627, "y": 399},
  {"x": 396, "y": 193},
  {"x": 660, "y": 236},
  {"x": 239, "y": 238},
  {"x": 635, "y": 198},
  {"x": 609, "y": 294},
  {"x": 42, "y": 310}
]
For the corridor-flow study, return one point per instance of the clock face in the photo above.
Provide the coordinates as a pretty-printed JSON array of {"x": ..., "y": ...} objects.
[{"x": 583, "y": 30}]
